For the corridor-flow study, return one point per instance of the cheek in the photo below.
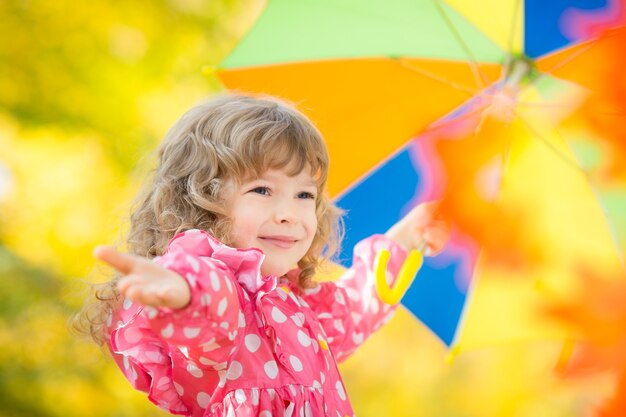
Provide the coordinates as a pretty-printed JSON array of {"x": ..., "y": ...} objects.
[
  {"x": 311, "y": 225},
  {"x": 243, "y": 229}
]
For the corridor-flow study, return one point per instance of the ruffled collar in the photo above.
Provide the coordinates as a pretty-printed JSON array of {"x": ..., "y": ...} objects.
[{"x": 245, "y": 264}]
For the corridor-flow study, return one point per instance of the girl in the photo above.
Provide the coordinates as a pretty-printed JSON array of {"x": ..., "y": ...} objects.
[{"x": 209, "y": 314}]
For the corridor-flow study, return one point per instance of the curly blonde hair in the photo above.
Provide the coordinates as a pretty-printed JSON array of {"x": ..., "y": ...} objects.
[{"x": 228, "y": 138}]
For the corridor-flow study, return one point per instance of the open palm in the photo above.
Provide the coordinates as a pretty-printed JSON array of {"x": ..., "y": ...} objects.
[{"x": 145, "y": 282}]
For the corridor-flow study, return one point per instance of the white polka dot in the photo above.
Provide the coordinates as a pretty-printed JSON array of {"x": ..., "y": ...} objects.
[
  {"x": 194, "y": 370},
  {"x": 357, "y": 338},
  {"x": 207, "y": 261},
  {"x": 313, "y": 290},
  {"x": 207, "y": 361},
  {"x": 163, "y": 383},
  {"x": 203, "y": 399},
  {"x": 195, "y": 266},
  {"x": 281, "y": 293},
  {"x": 325, "y": 316},
  {"x": 222, "y": 375},
  {"x": 265, "y": 413},
  {"x": 126, "y": 362},
  {"x": 151, "y": 312},
  {"x": 307, "y": 410},
  {"x": 289, "y": 410},
  {"x": 132, "y": 335},
  {"x": 240, "y": 396},
  {"x": 210, "y": 345},
  {"x": 298, "y": 318},
  {"x": 154, "y": 356},
  {"x": 353, "y": 294},
  {"x": 316, "y": 347},
  {"x": 339, "y": 326},
  {"x": 350, "y": 274},
  {"x": 252, "y": 342},
  {"x": 127, "y": 304},
  {"x": 191, "y": 279},
  {"x": 322, "y": 377},
  {"x": 191, "y": 332},
  {"x": 242, "y": 319},
  {"x": 259, "y": 321},
  {"x": 380, "y": 245},
  {"x": 205, "y": 300},
  {"x": 295, "y": 363},
  {"x": 168, "y": 331},
  {"x": 339, "y": 298},
  {"x": 271, "y": 369},
  {"x": 179, "y": 389},
  {"x": 278, "y": 315},
  {"x": 293, "y": 390},
  {"x": 340, "y": 390},
  {"x": 230, "y": 412},
  {"x": 221, "y": 307},
  {"x": 375, "y": 306},
  {"x": 215, "y": 281},
  {"x": 229, "y": 286},
  {"x": 255, "y": 396},
  {"x": 303, "y": 338},
  {"x": 110, "y": 319},
  {"x": 234, "y": 370},
  {"x": 184, "y": 350}
]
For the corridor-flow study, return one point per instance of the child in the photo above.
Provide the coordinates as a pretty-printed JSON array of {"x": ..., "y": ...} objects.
[{"x": 208, "y": 314}]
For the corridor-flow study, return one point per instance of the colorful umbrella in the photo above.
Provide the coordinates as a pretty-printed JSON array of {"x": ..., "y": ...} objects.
[{"x": 420, "y": 98}]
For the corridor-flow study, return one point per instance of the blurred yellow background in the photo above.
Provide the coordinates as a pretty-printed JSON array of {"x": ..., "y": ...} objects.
[{"x": 87, "y": 90}]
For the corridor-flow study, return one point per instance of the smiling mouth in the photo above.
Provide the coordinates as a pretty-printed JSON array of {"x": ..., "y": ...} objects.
[{"x": 284, "y": 242}]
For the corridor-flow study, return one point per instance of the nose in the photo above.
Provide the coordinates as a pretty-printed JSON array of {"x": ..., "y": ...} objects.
[{"x": 286, "y": 213}]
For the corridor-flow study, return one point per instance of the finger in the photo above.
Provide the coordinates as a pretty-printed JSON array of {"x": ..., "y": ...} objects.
[
  {"x": 122, "y": 262},
  {"x": 128, "y": 281},
  {"x": 140, "y": 294},
  {"x": 436, "y": 239},
  {"x": 425, "y": 213}
]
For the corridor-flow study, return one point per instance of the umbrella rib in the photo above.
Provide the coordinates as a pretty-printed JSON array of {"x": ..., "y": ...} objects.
[
  {"x": 542, "y": 75},
  {"x": 480, "y": 78},
  {"x": 512, "y": 32},
  {"x": 549, "y": 145},
  {"x": 404, "y": 62},
  {"x": 614, "y": 237}
]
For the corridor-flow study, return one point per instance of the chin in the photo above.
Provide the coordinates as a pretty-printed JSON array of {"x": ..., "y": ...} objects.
[{"x": 274, "y": 270}]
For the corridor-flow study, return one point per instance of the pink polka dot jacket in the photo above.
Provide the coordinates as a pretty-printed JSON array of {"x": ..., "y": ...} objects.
[{"x": 248, "y": 344}]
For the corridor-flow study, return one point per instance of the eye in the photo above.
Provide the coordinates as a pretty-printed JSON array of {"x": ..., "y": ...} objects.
[
  {"x": 261, "y": 190},
  {"x": 306, "y": 195}
]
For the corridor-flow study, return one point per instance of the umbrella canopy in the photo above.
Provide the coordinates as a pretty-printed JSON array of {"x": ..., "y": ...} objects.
[{"x": 458, "y": 100}]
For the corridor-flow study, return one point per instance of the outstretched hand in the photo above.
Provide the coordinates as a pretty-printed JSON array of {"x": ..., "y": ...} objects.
[
  {"x": 145, "y": 282},
  {"x": 422, "y": 228}
]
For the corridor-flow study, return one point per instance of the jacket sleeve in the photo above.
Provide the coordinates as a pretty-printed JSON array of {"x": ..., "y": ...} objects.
[
  {"x": 350, "y": 309},
  {"x": 149, "y": 343}
]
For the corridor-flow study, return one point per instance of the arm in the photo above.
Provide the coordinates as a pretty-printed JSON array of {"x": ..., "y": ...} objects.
[
  {"x": 181, "y": 312},
  {"x": 356, "y": 308}
]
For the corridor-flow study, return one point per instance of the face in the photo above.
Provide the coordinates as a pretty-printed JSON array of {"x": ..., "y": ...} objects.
[{"x": 275, "y": 213}]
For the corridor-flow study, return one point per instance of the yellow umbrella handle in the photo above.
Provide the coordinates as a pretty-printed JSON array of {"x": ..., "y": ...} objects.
[{"x": 411, "y": 265}]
